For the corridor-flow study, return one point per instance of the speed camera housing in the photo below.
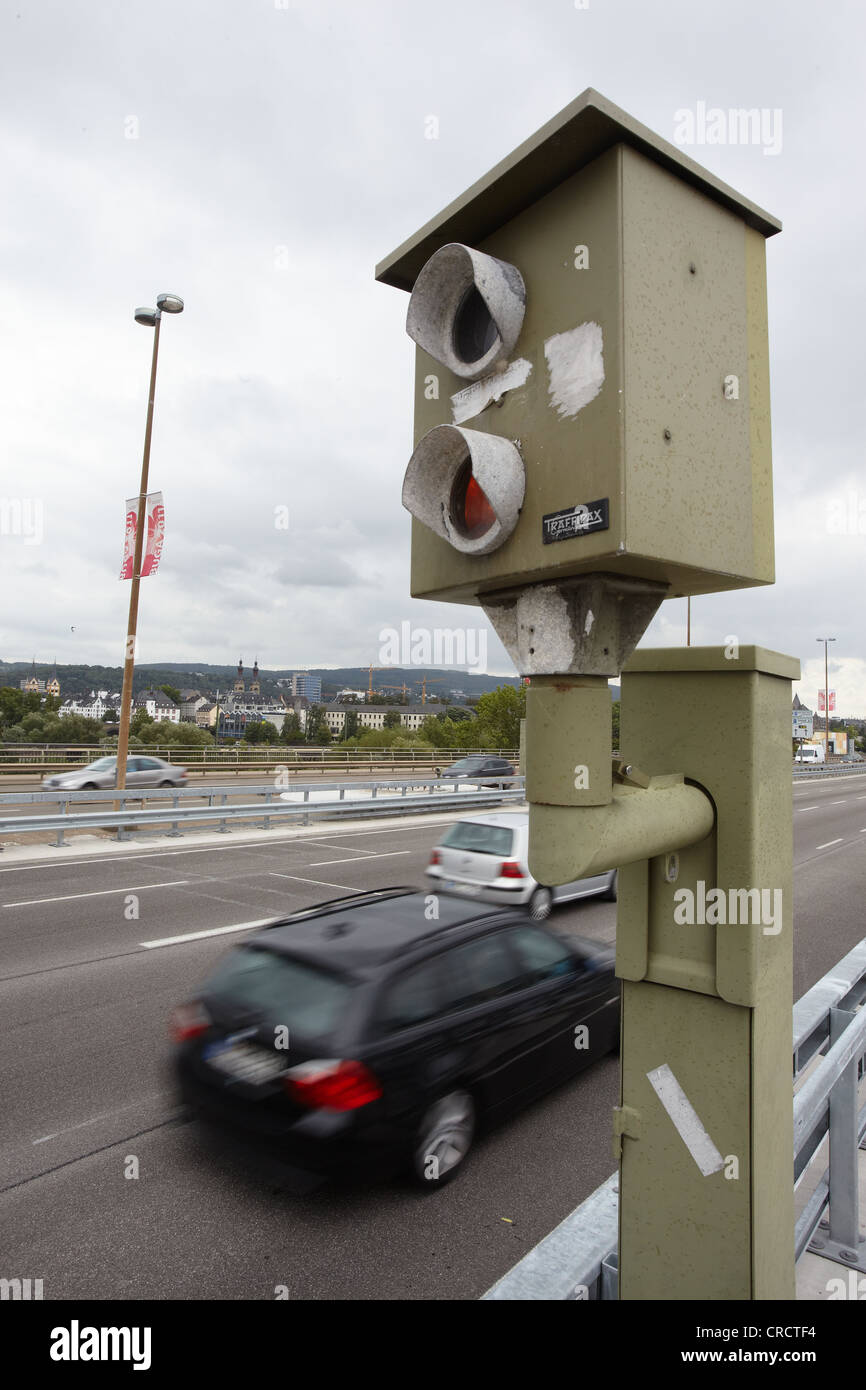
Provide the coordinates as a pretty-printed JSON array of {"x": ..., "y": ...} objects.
[{"x": 592, "y": 381}]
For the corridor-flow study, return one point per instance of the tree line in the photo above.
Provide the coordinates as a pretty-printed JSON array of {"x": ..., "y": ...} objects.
[{"x": 494, "y": 723}]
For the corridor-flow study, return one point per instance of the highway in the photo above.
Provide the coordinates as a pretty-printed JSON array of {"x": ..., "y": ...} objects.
[{"x": 97, "y": 950}]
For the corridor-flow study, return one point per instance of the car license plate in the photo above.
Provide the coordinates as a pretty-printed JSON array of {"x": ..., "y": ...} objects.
[
  {"x": 469, "y": 888},
  {"x": 245, "y": 1061}
]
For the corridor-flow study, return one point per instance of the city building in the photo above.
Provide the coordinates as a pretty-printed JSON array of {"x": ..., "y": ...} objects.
[
  {"x": 373, "y": 717},
  {"x": 307, "y": 685},
  {"x": 191, "y": 701},
  {"x": 159, "y": 706},
  {"x": 99, "y": 704},
  {"x": 205, "y": 715},
  {"x": 32, "y": 685},
  {"x": 240, "y": 708}
]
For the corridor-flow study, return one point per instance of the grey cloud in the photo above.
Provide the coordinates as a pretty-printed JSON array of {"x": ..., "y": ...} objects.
[{"x": 280, "y": 155}]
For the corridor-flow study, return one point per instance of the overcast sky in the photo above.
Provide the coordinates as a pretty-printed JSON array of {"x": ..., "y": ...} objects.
[{"x": 259, "y": 158}]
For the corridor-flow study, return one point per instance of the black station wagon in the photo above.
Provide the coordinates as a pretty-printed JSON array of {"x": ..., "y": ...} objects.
[{"x": 378, "y": 1032}]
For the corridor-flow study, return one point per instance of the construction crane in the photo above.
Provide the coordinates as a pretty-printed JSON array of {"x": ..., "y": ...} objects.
[
  {"x": 404, "y": 688},
  {"x": 370, "y": 685},
  {"x": 429, "y": 680}
]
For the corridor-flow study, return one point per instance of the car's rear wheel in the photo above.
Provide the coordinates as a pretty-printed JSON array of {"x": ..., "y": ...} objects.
[
  {"x": 89, "y": 787},
  {"x": 540, "y": 904},
  {"x": 444, "y": 1139},
  {"x": 166, "y": 783}
]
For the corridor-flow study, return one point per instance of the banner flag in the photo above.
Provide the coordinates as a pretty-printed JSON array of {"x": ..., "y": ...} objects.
[
  {"x": 129, "y": 537},
  {"x": 155, "y": 534},
  {"x": 155, "y": 514},
  {"x": 821, "y": 701}
]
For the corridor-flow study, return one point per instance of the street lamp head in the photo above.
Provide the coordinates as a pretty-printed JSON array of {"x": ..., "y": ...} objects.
[
  {"x": 147, "y": 316},
  {"x": 170, "y": 303}
]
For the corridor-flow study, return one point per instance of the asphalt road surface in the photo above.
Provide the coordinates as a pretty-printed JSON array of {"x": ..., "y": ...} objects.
[{"x": 95, "y": 953}]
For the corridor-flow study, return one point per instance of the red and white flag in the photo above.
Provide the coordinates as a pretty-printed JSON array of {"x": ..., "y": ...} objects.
[
  {"x": 821, "y": 709},
  {"x": 155, "y": 516},
  {"x": 155, "y": 534},
  {"x": 129, "y": 537}
]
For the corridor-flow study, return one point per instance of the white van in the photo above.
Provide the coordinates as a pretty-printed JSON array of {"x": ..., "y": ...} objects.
[{"x": 810, "y": 753}]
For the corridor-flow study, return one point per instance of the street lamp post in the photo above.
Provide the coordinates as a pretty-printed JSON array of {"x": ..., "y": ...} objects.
[
  {"x": 150, "y": 318},
  {"x": 825, "y": 640}
]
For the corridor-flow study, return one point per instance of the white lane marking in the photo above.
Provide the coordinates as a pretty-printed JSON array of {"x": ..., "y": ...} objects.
[
  {"x": 838, "y": 803},
  {"x": 158, "y": 1095},
  {"x": 686, "y": 1120},
  {"x": 99, "y": 893},
  {"x": 430, "y": 819},
  {"x": 324, "y": 844},
  {"x": 320, "y": 882},
  {"x": 829, "y": 843},
  {"x": 211, "y": 931},
  {"x": 805, "y": 808},
  {"x": 34, "y": 866},
  {"x": 386, "y": 854}
]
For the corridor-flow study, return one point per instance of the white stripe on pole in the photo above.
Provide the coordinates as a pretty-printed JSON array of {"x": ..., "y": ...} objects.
[{"x": 686, "y": 1120}]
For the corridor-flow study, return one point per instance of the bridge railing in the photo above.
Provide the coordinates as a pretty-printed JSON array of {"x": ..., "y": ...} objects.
[
  {"x": 579, "y": 1260},
  {"x": 352, "y": 799}
]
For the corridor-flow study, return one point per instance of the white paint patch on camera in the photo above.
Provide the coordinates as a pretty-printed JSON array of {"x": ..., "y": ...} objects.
[
  {"x": 575, "y": 363},
  {"x": 590, "y": 619},
  {"x": 686, "y": 1120},
  {"x": 477, "y": 397}
]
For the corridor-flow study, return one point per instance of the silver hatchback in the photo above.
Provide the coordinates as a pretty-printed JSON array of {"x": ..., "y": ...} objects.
[
  {"x": 485, "y": 857},
  {"x": 141, "y": 771}
]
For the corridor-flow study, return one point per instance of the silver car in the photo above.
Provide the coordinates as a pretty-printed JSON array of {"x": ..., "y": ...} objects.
[
  {"x": 485, "y": 857},
  {"x": 141, "y": 771}
]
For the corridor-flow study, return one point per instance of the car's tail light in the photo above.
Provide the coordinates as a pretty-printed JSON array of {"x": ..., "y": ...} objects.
[
  {"x": 332, "y": 1085},
  {"x": 435, "y": 857},
  {"x": 511, "y": 869},
  {"x": 188, "y": 1021},
  {"x": 183, "y": 774}
]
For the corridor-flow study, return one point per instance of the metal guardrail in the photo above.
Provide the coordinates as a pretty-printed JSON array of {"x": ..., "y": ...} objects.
[
  {"x": 294, "y": 755},
  {"x": 830, "y": 1021},
  {"x": 827, "y": 769},
  {"x": 578, "y": 1260},
  {"x": 416, "y": 795},
  {"x": 266, "y": 789}
]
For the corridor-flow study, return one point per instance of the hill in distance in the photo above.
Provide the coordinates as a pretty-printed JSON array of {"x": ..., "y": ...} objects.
[{"x": 78, "y": 680}]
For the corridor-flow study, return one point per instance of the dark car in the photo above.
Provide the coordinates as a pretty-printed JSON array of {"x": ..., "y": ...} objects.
[
  {"x": 481, "y": 765},
  {"x": 362, "y": 1037}
]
